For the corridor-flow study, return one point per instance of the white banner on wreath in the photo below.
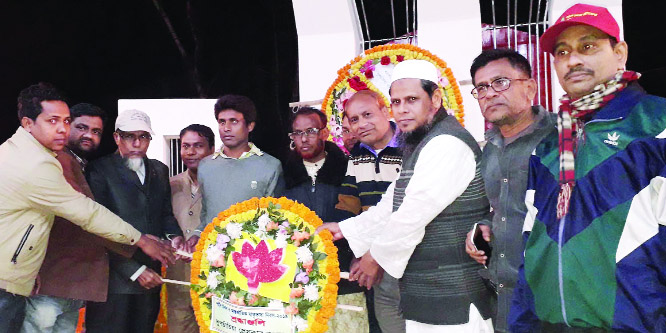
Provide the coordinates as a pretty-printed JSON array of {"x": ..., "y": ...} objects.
[{"x": 230, "y": 318}]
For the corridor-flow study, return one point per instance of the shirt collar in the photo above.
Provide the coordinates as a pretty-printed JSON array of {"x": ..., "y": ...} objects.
[
  {"x": 28, "y": 138},
  {"x": 395, "y": 140},
  {"x": 254, "y": 150}
]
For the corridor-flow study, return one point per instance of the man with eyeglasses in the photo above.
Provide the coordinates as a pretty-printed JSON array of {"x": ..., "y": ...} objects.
[
  {"x": 372, "y": 167},
  {"x": 314, "y": 172},
  {"x": 239, "y": 170},
  {"x": 595, "y": 227},
  {"x": 137, "y": 189},
  {"x": 505, "y": 92}
]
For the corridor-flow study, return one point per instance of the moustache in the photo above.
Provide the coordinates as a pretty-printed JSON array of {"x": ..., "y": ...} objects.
[{"x": 578, "y": 69}]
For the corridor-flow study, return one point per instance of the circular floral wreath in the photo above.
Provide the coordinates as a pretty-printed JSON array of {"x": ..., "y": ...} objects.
[
  {"x": 372, "y": 70},
  {"x": 302, "y": 261}
]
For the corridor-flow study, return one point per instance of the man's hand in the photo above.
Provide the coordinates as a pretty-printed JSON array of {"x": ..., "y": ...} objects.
[
  {"x": 191, "y": 244},
  {"x": 370, "y": 271},
  {"x": 149, "y": 279},
  {"x": 178, "y": 243},
  {"x": 334, "y": 228},
  {"x": 354, "y": 269},
  {"x": 156, "y": 250},
  {"x": 478, "y": 255}
]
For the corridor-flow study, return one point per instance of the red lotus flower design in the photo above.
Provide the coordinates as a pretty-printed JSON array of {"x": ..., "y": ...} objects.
[{"x": 258, "y": 265}]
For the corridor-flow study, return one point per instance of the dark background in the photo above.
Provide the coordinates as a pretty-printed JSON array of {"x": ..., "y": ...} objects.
[{"x": 101, "y": 51}]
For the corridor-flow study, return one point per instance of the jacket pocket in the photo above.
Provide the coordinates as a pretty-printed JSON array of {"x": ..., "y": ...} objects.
[{"x": 24, "y": 239}]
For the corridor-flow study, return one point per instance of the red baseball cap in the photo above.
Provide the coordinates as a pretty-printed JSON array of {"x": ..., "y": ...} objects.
[{"x": 594, "y": 16}]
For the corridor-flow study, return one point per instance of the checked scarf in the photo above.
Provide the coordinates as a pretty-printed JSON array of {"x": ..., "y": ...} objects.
[{"x": 570, "y": 126}]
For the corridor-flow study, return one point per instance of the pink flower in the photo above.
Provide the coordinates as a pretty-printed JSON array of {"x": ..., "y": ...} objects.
[
  {"x": 356, "y": 83},
  {"x": 272, "y": 225},
  {"x": 233, "y": 298},
  {"x": 369, "y": 74},
  {"x": 219, "y": 262},
  {"x": 385, "y": 60},
  {"x": 296, "y": 292},
  {"x": 253, "y": 299},
  {"x": 298, "y": 237},
  {"x": 209, "y": 295},
  {"x": 400, "y": 58},
  {"x": 308, "y": 265},
  {"x": 258, "y": 265},
  {"x": 291, "y": 309},
  {"x": 368, "y": 66}
]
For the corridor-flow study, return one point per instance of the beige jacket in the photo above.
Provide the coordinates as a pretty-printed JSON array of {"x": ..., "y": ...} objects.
[
  {"x": 32, "y": 191},
  {"x": 186, "y": 209}
]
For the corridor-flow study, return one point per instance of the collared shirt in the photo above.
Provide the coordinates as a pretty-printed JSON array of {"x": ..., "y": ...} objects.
[
  {"x": 504, "y": 166},
  {"x": 444, "y": 169},
  {"x": 253, "y": 151},
  {"x": 395, "y": 142}
]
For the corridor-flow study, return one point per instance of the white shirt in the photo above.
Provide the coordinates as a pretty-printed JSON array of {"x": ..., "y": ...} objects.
[{"x": 444, "y": 169}]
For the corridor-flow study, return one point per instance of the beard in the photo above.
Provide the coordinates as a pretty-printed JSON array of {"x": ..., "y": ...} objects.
[
  {"x": 409, "y": 140},
  {"x": 134, "y": 163}
]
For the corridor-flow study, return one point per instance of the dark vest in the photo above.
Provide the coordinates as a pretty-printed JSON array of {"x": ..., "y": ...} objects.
[{"x": 441, "y": 280}]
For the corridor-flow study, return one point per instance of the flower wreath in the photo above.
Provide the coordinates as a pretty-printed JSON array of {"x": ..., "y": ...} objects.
[
  {"x": 299, "y": 275},
  {"x": 372, "y": 70}
]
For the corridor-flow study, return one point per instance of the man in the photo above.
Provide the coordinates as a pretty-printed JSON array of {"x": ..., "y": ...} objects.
[
  {"x": 137, "y": 189},
  {"x": 373, "y": 165},
  {"x": 505, "y": 91},
  {"x": 596, "y": 225},
  {"x": 239, "y": 170},
  {"x": 76, "y": 267},
  {"x": 414, "y": 233},
  {"x": 196, "y": 142},
  {"x": 33, "y": 190},
  {"x": 349, "y": 138},
  {"x": 314, "y": 173}
]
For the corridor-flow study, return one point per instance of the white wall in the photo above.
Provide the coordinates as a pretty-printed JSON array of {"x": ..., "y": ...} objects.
[
  {"x": 326, "y": 42},
  {"x": 169, "y": 116},
  {"x": 451, "y": 29},
  {"x": 558, "y": 8}
]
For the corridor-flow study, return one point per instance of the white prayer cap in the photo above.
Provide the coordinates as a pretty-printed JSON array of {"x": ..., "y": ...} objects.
[
  {"x": 133, "y": 120},
  {"x": 415, "y": 69}
]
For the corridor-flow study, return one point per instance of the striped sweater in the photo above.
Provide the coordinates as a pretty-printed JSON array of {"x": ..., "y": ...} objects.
[
  {"x": 603, "y": 264},
  {"x": 368, "y": 176}
]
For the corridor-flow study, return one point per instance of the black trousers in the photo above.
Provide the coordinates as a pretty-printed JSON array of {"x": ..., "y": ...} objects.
[
  {"x": 12, "y": 312},
  {"x": 123, "y": 313}
]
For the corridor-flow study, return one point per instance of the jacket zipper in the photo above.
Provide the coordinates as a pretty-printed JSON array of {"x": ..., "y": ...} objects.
[
  {"x": 313, "y": 185},
  {"x": 560, "y": 276},
  {"x": 22, "y": 243}
]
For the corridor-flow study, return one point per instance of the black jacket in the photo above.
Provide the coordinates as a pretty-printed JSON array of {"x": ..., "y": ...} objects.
[
  {"x": 145, "y": 206},
  {"x": 322, "y": 196}
]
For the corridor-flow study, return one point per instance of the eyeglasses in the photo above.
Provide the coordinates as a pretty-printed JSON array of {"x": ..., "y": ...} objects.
[
  {"x": 498, "y": 85},
  {"x": 130, "y": 138},
  {"x": 310, "y": 133}
]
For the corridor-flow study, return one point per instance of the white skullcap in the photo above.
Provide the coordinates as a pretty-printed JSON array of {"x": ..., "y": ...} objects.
[
  {"x": 133, "y": 120},
  {"x": 415, "y": 69}
]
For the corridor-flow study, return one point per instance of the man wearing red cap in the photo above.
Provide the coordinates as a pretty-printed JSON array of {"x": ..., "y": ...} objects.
[{"x": 596, "y": 224}]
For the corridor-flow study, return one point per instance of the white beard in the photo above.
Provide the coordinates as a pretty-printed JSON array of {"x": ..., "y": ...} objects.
[{"x": 134, "y": 163}]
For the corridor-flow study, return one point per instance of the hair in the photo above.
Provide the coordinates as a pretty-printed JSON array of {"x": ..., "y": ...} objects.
[
  {"x": 87, "y": 109},
  {"x": 613, "y": 41},
  {"x": 203, "y": 131},
  {"x": 516, "y": 60},
  {"x": 369, "y": 93},
  {"x": 30, "y": 99},
  {"x": 307, "y": 111},
  {"x": 238, "y": 103}
]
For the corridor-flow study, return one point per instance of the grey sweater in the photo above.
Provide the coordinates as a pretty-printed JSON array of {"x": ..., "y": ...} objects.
[{"x": 226, "y": 181}]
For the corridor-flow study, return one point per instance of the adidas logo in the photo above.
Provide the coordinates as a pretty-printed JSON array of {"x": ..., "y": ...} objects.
[{"x": 612, "y": 139}]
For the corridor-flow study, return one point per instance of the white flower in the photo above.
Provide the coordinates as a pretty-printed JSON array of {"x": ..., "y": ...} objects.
[
  {"x": 234, "y": 230},
  {"x": 212, "y": 279},
  {"x": 263, "y": 221},
  {"x": 275, "y": 304},
  {"x": 213, "y": 253},
  {"x": 311, "y": 292},
  {"x": 281, "y": 240},
  {"x": 299, "y": 323},
  {"x": 261, "y": 234},
  {"x": 303, "y": 254}
]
